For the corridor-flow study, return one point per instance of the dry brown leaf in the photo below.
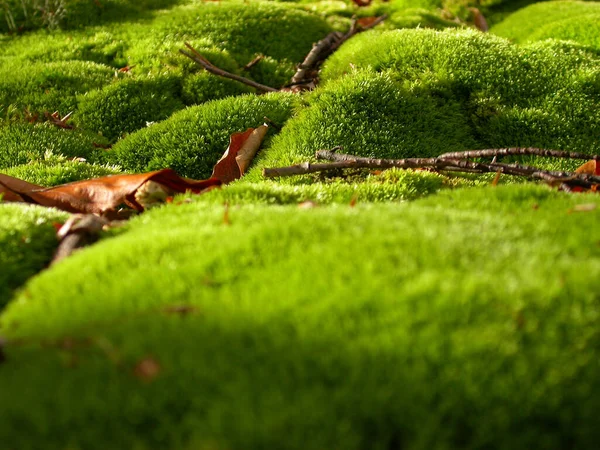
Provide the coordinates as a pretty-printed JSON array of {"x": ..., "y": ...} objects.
[
  {"x": 11, "y": 189},
  {"x": 479, "y": 20},
  {"x": 589, "y": 168},
  {"x": 238, "y": 156},
  {"x": 101, "y": 195}
]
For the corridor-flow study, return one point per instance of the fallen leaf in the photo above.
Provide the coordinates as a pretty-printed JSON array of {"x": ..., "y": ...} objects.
[
  {"x": 103, "y": 195},
  {"x": 147, "y": 369},
  {"x": 362, "y": 2},
  {"x": 479, "y": 20},
  {"x": 589, "y": 168},
  {"x": 238, "y": 156},
  {"x": 364, "y": 22},
  {"x": 11, "y": 187},
  {"x": 308, "y": 204}
]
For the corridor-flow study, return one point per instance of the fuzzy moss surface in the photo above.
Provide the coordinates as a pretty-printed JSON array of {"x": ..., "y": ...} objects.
[
  {"x": 466, "y": 320},
  {"x": 243, "y": 30},
  {"x": 128, "y": 105},
  {"x": 19, "y": 15},
  {"x": 541, "y": 95},
  {"x": 52, "y": 86},
  {"x": 569, "y": 20},
  {"x": 22, "y": 143},
  {"x": 370, "y": 114},
  {"x": 27, "y": 242},
  {"x": 192, "y": 141}
]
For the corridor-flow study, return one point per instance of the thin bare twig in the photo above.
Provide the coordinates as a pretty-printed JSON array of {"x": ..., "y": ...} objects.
[
  {"x": 195, "y": 56},
  {"x": 307, "y": 73},
  {"x": 344, "y": 161},
  {"x": 495, "y": 152}
]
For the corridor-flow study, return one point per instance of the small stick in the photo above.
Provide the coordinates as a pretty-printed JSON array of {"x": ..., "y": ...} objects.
[
  {"x": 516, "y": 151},
  {"x": 254, "y": 62},
  {"x": 343, "y": 161},
  {"x": 210, "y": 67},
  {"x": 307, "y": 71}
]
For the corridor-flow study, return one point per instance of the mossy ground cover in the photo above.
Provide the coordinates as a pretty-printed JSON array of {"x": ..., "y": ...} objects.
[
  {"x": 27, "y": 242},
  {"x": 467, "y": 319},
  {"x": 342, "y": 311}
]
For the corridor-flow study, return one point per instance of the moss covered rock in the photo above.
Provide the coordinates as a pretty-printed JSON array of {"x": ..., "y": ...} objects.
[
  {"x": 258, "y": 334},
  {"x": 27, "y": 243},
  {"x": 193, "y": 140}
]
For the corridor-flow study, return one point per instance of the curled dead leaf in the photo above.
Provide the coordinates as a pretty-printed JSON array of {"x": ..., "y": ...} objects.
[
  {"x": 103, "y": 195},
  {"x": 238, "y": 156}
]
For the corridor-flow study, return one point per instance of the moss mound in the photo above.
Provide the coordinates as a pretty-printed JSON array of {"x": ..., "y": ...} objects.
[
  {"x": 27, "y": 242},
  {"x": 541, "y": 95},
  {"x": 49, "y": 87},
  {"x": 54, "y": 170},
  {"x": 193, "y": 140},
  {"x": 128, "y": 105},
  {"x": 569, "y": 20},
  {"x": 23, "y": 143},
  {"x": 451, "y": 343},
  {"x": 371, "y": 115},
  {"x": 283, "y": 33}
]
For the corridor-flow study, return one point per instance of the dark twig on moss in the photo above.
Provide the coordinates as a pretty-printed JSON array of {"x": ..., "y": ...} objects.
[
  {"x": 307, "y": 73},
  {"x": 344, "y": 161},
  {"x": 255, "y": 61},
  {"x": 521, "y": 151},
  {"x": 78, "y": 231},
  {"x": 195, "y": 56}
]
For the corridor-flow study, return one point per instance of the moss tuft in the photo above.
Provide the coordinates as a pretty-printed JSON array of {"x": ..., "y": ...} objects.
[
  {"x": 128, "y": 105},
  {"x": 27, "y": 242},
  {"x": 575, "y": 21},
  {"x": 371, "y": 114},
  {"x": 193, "y": 140},
  {"x": 49, "y": 87},
  {"x": 24, "y": 143}
]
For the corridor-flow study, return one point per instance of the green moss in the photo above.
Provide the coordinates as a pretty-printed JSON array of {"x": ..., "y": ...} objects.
[
  {"x": 128, "y": 105},
  {"x": 55, "y": 170},
  {"x": 193, "y": 140},
  {"x": 27, "y": 242},
  {"x": 541, "y": 95},
  {"x": 52, "y": 86},
  {"x": 570, "y": 20},
  {"x": 279, "y": 31},
  {"x": 467, "y": 319},
  {"x": 19, "y": 15},
  {"x": 392, "y": 185},
  {"x": 23, "y": 143},
  {"x": 99, "y": 45},
  {"x": 371, "y": 114}
]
